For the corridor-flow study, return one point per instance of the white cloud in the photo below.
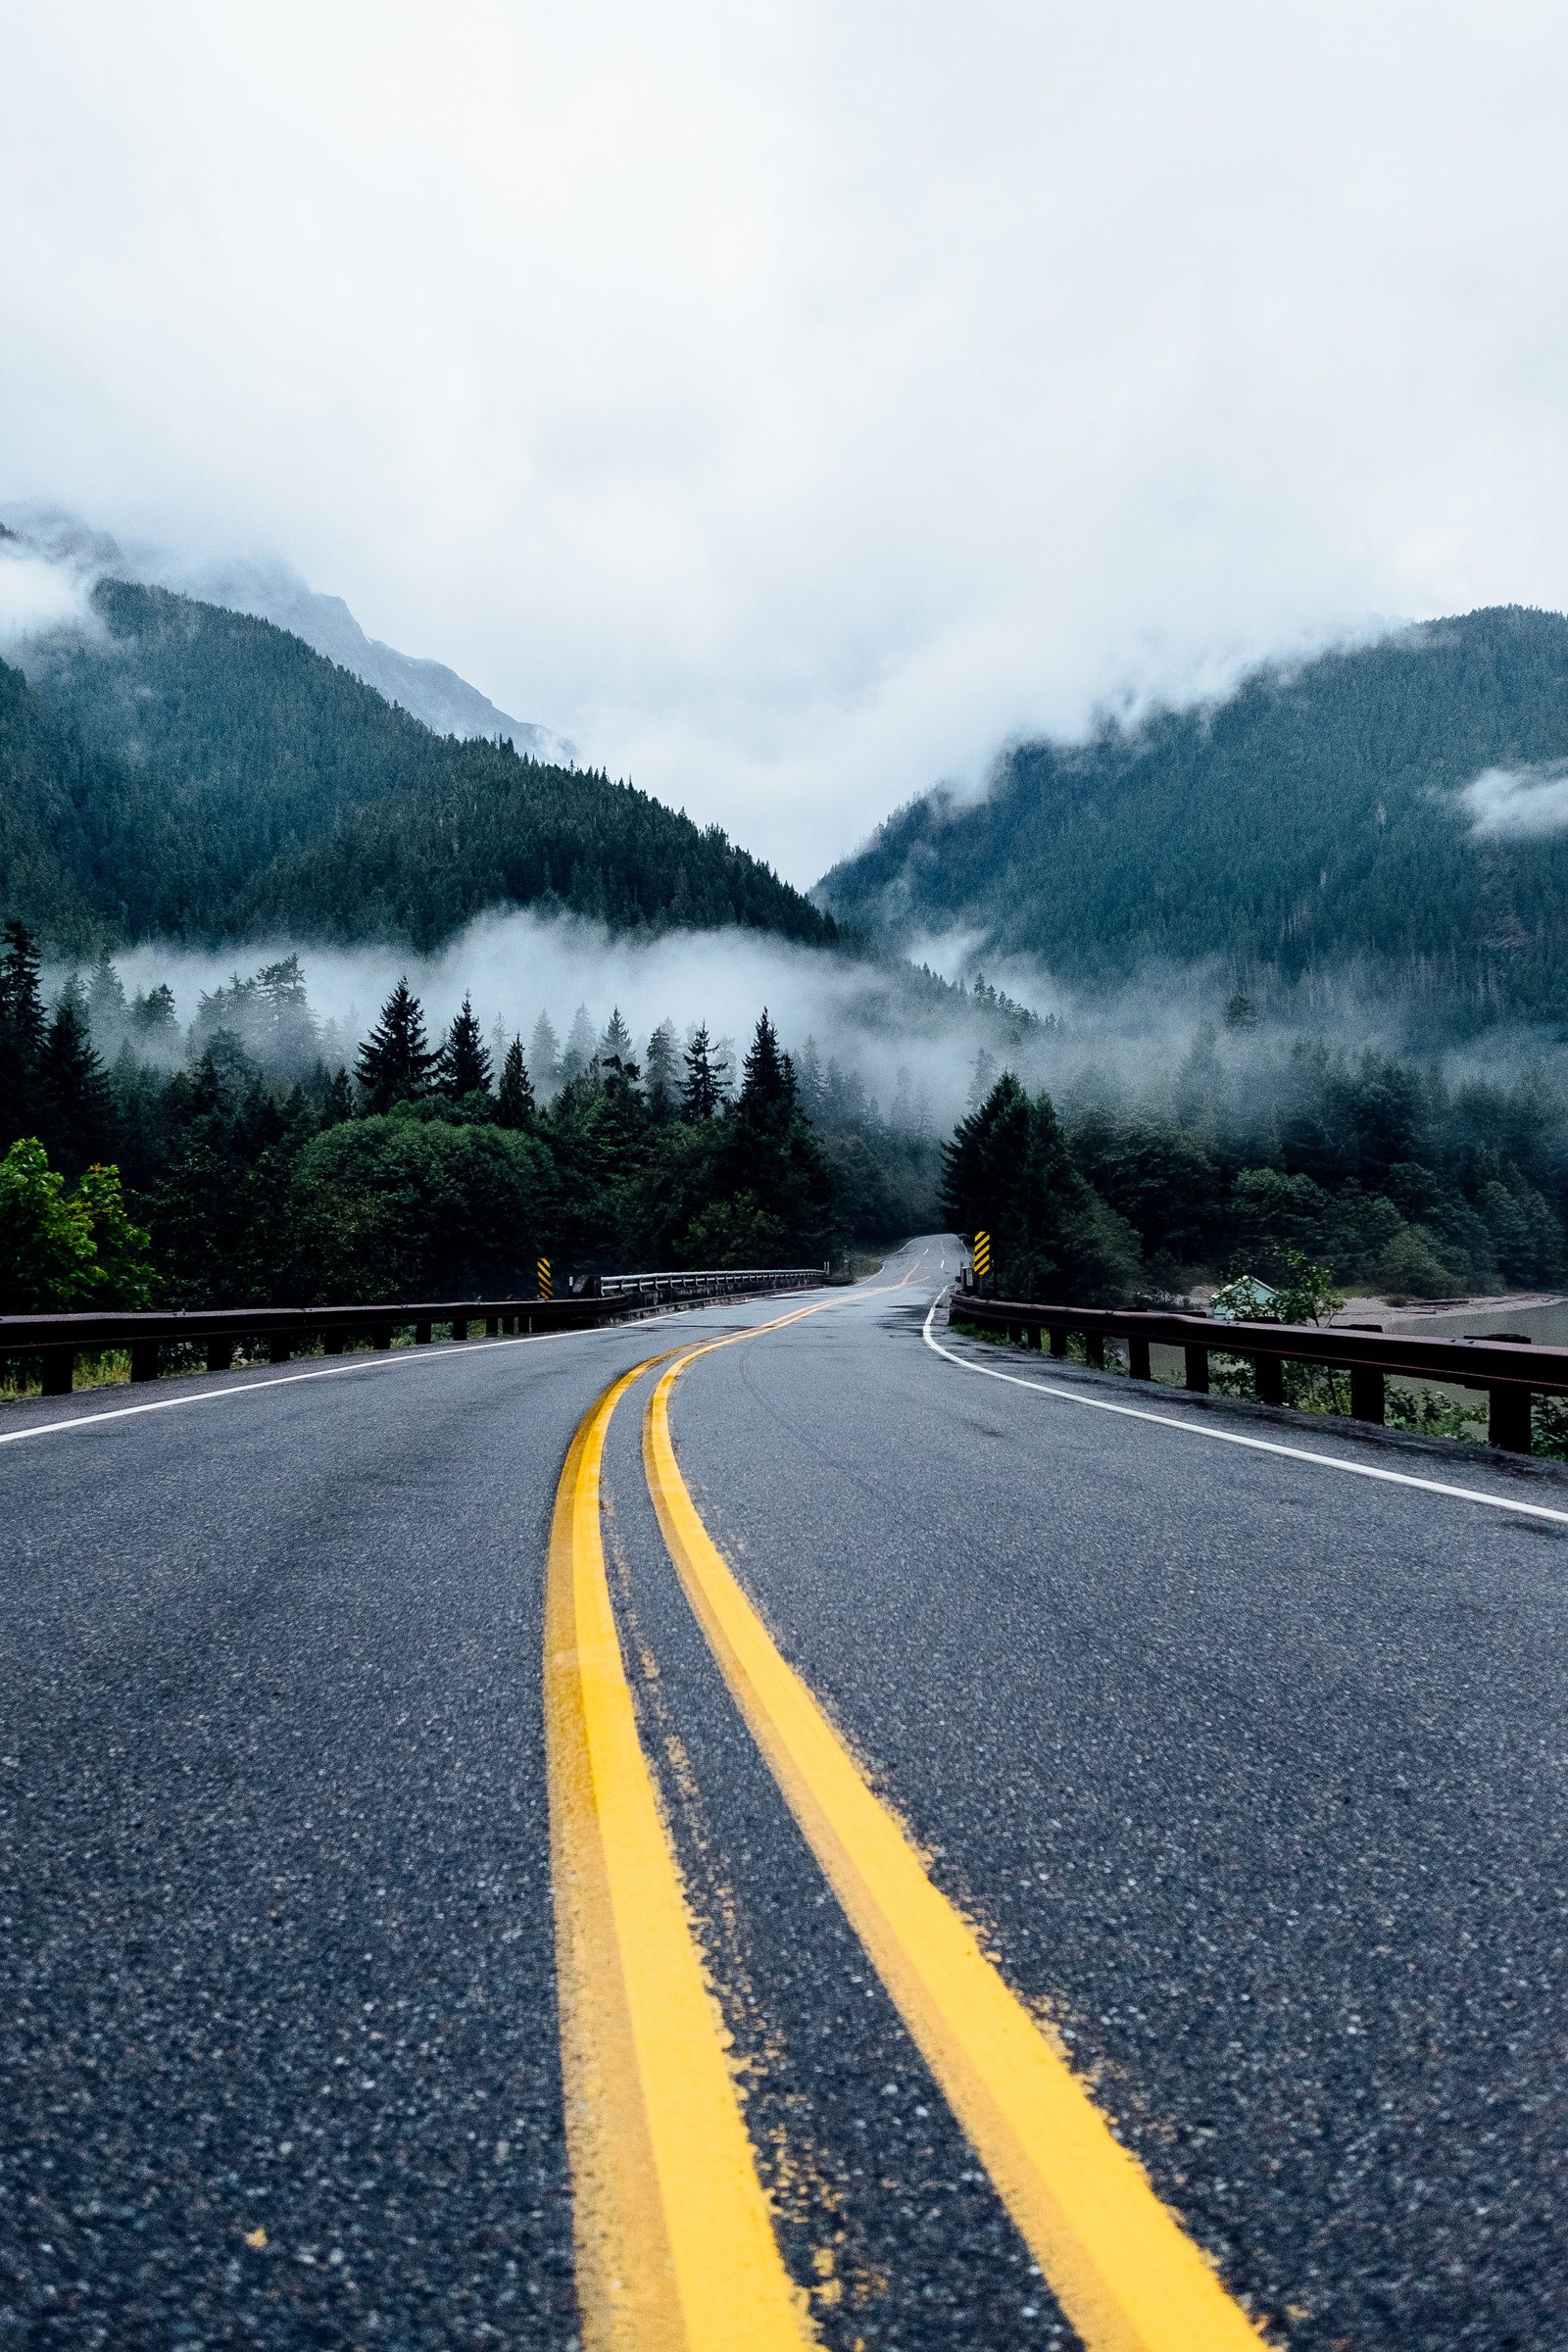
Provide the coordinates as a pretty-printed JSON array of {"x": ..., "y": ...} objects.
[
  {"x": 36, "y": 595},
  {"x": 1516, "y": 804},
  {"x": 791, "y": 403}
]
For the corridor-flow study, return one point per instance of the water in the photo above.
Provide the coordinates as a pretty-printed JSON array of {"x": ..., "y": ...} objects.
[{"x": 1546, "y": 1324}]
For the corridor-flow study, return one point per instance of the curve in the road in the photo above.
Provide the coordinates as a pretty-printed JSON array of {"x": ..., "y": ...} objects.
[
  {"x": 1122, "y": 2268},
  {"x": 1231, "y": 1437},
  {"x": 674, "y": 2241}
]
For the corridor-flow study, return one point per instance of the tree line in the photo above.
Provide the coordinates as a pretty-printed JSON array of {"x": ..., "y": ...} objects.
[
  {"x": 433, "y": 1165},
  {"x": 1393, "y": 1179}
]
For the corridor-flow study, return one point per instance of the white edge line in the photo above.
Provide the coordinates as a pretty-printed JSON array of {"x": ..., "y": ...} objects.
[
  {"x": 380, "y": 1362},
  {"x": 1231, "y": 1437}
]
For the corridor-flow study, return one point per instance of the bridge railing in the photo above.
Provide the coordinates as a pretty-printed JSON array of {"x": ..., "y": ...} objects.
[
  {"x": 1510, "y": 1370},
  {"x": 714, "y": 1281},
  {"x": 58, "y": 1340}
]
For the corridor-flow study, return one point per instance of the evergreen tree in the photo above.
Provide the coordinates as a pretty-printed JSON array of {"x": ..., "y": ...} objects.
[
  {"x": 700, "y": 1096},
  {"x": 337, "y": 1102},
  {"x": 544, "y": 1058},
  {"x": 617, "y": 1067},
  {"x": 775, "y": 1185},
  {"x": 155, "y": 1014},
  {"x": 515, "y": 1104},
  {"x": 1008, "y": 1172},
  {"x": 662, "y": 1072},
  {"x": 22, "y": 1031},
  {"x": 284, "y": 1028},
  {"x": 615, "y": 1043},
  {"x": 71, "y": 1099},
  {"x": 581, "y": 1049},
  {"x": 768, "y": 1083},
  {"x": 106, "y": 1001},
  {"x": 982, "y": 1078},
  {"x": 395, "y": 1062},
  {"x": 464, "y": 1058}
]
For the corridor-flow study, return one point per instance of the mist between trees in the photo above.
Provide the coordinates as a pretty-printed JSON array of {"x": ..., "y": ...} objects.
[
  {"x": 269, "y": 1158},
  {"x": 271, "y": 1152},
  {"x": 1255, "y": 1152}
]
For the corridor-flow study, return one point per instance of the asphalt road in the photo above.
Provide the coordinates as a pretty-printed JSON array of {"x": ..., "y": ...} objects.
[{"x": 1250, "y": 1770}]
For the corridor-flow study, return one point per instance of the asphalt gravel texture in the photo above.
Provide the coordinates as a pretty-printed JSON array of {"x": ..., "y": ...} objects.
[{"x": 1254, "y": 1772}]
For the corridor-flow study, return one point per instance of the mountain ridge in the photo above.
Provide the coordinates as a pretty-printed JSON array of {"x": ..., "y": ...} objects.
[
  {"x": 1322, "y": 813},
  {"x": 186, "y": 769},
  {"x": 271, "y": 590}
]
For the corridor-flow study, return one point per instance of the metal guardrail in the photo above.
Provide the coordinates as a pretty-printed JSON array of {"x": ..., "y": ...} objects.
[
  {"x": 703, "y": 1283},
  {"x": 1510, "y": 1370},
  {"x": 60, "y": 1339}
]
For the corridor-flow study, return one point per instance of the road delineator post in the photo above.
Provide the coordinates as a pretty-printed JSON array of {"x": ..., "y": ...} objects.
[{"x": 547, "y": 1288}]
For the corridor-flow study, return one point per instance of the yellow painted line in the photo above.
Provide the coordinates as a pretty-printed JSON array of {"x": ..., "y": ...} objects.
[
  {"x": 675, "y": 2249},
  {"x": 1121, "y": 2266}
]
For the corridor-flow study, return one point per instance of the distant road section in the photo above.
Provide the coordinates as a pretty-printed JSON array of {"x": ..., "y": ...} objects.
[{"x": 953, "y": 1710}]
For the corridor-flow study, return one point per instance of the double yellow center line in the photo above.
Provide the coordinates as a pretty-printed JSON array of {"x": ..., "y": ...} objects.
[{"x": 675, "y": 2246}]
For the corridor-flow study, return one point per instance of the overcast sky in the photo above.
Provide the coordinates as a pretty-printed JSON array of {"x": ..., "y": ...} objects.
[{"x": 791, "y": 403}]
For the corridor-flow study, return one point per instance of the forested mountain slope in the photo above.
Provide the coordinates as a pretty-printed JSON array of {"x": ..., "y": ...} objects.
[
  {"x": 196, "y": 772},
  {"x": 1317, "y": 817}
]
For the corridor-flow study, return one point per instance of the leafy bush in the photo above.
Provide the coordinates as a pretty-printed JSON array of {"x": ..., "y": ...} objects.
[
  {"x": 402, "y": 1206},
  {"x": 60, "y": 1250}
]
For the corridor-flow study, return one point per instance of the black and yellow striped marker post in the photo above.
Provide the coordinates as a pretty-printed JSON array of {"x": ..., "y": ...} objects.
[
  {"x": 547, "y": 1288},
  {"x": 982, "y": 1257}
]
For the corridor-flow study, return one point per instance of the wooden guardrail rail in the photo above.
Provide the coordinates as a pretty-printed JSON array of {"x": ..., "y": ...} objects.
[
  {"x": 58, "y": 1340},
  {"x": 1510, "y": 1370}
]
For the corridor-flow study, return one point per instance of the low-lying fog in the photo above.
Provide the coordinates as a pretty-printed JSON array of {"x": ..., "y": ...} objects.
[{"x": 906, "y": 1038}]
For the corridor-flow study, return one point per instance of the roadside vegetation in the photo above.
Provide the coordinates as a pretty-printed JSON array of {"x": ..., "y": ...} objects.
[
  {"x": 1375, "y": 1171},
  {"x": 244, "y": 1163}
]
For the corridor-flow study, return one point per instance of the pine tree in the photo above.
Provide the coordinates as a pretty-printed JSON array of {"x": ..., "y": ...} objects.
[
  {"x": 464, "y": 1058},
  {"x": 71, "y": 1093},
  {"x": 768, "y": 1083},
  {"x": 515, "y": 1103},
  {"x": 617, "y": 1067},
  {"x": 700, "y": 1096},
  {"x": 106, "y": 1001},
  {"x": 544, "y": 1058},
  {"x": 155, "y": 1014},
  {"x": 1010, "y": 1172},
  {"x": 615, "y": 1043},
  {"x": 662, "y": 1072},
  {"x": 285, "y": 1026},
  {"x": 394, "y": 1063},
  {"x": 581, "y": 1051},
  {"x": 22, "y": 1031},
  {"x": 337, "y": 1102}
]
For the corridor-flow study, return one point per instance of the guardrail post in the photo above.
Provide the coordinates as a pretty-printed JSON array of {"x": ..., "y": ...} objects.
[
  {"x": 459, "y": 1327},
  {"x": 59, "y": 1371},
  {"x": 219, "y": 1355},
  {"x": 333, "y": 1342},
  {"x": 1137, "y": 1357},
  {"x": 1268, "y": 1379},
  {"x": 1369, "y": 1401},
  {"x": 1095, "y": 1350},
  {"x": 1059, "y": 1339},
  {"x": 381, "y": 1334},
  {"x": 279, "y": 1347},
  {"x": 144, "y": 1359},
  {"x": 421, "y": 1335},
  {"x": 1196, "y": 1372},
  {"x": 492, "y": 1327},
  {"x": 1509, "y": 1421}
]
